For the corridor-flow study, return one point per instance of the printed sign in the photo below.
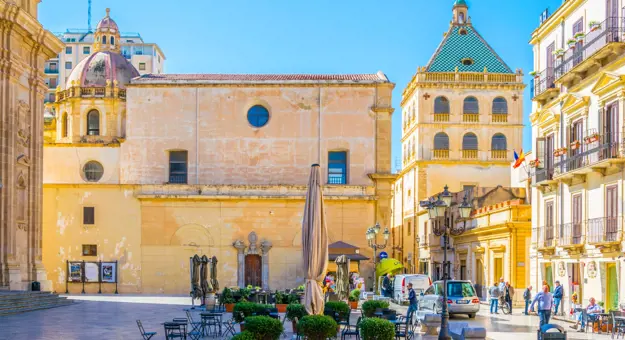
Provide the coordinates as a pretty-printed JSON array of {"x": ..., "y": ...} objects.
[
  {"x": 91, "y": 272},
  {"x": 383, "y": 255},
  {"x": 109, "y": 272},
  {"x": 75, "y": 271}
]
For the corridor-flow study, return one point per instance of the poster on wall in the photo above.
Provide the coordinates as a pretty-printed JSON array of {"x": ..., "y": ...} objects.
[
  {"x": 109, "y": 272},
  {"x": 91, "y": 272},
  {"x": 75, "y": 271}
]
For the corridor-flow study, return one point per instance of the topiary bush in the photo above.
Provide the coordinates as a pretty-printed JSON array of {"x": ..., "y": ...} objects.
[
  {"x": 226, "y": 296},
  {"x": 339, "y": 307},
  {"x": 369, "y": 307},
  {"x": 317, "y": 327},
  {"x": 295, "y": 310},
  {"x": 245, "y": 335},
  {"x": 354, "y": 295},
  {"x": 264, "y": 327},
  {"x": 248, "y": 309},
  {"x": 377, "y": 329}
]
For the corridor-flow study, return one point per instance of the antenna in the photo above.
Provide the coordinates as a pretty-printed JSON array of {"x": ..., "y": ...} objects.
[{"x": 89, "y": 15}]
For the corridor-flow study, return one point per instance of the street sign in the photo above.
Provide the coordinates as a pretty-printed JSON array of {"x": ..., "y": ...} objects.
[{"x": 383, "y": 255}]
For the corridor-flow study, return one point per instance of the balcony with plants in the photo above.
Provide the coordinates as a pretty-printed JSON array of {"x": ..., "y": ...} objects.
[
  {"x": 546, "y": 237},
  {"x": 602, "y": 43},
  {"x": 571, "y": 235},
  {"x": 542, "y": 86},
  {"x": 607, "y": 230}
]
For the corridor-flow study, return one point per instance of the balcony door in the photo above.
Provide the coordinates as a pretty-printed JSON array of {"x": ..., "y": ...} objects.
[
  {"x": 576, "y": 218},
  {"x": 549, "y": 217},
  {"x": 609, "y": 143},
  {"x": 578, "y": 53},
  {"x": 611, "y": 213},
  {"x": 612, "y": 26},
  {"x": 549, "y": 154},
  {"x": 551, "y": 59}
]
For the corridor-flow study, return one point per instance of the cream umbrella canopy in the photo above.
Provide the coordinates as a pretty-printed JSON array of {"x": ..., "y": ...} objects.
[{"x": 314, "y": 244}]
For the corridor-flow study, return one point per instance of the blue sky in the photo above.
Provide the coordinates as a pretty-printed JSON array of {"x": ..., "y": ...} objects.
[{"x": 314, "y": 36}]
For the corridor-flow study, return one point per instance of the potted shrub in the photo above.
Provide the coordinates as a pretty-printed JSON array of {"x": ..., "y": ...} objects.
[
  {"x": 591, "y": 138},
  {"x": 341, "y": 308},
  {"x": 377, "y": 329},
  {"x": 282, "y": 301},
  {"x": 369, "y": 307},
  {"x": 257, "y": 289},
  {"x": 534, "y": 74},
  {"x": 293, "y": 298},
  {"x": 264, "y": 327},
  {"x": 227, "y": 299},
  {"x": 294, "y": 312},
  {"x": 245, "y": 335},
  {"x": 571, "y": 43},
  {"x": 301, "y": 288},
  {"x": 579, "y": 36},
  {"x": 535, "y": 163},
  {"x": 559, "y": 53},
  {"x": 559, "y": 152},
  {"x": 245, "y": 294},
  {"x": 244, "y": 309},
  {"x": 353, "y": 298},
  {"x": 575, "y": 145},
  {"x": 594, "y": 25},
  {"x": 317, "y": 327}
]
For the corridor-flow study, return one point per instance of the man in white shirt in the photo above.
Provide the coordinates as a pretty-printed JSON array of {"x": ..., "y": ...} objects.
[{"x": 591, "y": 311}]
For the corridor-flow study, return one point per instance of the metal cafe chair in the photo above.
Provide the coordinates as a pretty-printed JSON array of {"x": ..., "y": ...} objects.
[
  {"x": 144, "y": 334},
  {"x": 174, "y": 330}
]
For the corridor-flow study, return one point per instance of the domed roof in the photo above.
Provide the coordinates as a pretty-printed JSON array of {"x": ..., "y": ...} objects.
[
  {"x": 99, "y": 67},
  {"x": 107, "y": 23},
  {"x": 460, "y": 3}
]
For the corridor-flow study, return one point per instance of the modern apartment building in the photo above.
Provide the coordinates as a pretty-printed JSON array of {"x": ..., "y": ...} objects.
[
  {"x": 578, "y": 94},
  {"x": 145, "y": 57}
]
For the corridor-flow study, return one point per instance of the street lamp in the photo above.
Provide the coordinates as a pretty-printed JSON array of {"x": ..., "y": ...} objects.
[
  {"x": 372, "y": 236},
  {"x": 441, "y": 208}
]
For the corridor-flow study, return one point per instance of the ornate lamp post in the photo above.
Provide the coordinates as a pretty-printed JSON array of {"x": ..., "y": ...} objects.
[
  {"x": 441, "y": 208},
  {"x": 372, "y": 238}
]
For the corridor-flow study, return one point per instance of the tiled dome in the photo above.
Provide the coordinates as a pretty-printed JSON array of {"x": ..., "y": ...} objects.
[
  {"x": 99, "y": 67},
  {"x": 107, "y": 23}
]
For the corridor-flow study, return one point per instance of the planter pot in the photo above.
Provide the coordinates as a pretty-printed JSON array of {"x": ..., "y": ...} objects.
[
  {"x": 594, "y": 28},
  {"x": 229, "y": 307},
  {"x": 210, "y": 300},
  {"x": 294, "y": 324},
  {"x": 353, "y": 304},
  {"x": 281, "y": 307},
  {"x": 242, "y": 325},
  {"x": 575, "y": 145}
]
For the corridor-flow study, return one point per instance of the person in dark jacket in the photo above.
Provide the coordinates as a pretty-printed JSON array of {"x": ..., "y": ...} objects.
[
  {"x": 557, "y": 297},
  {"x": 412, "y": 298},
  {"x": 527, "y": 296}
]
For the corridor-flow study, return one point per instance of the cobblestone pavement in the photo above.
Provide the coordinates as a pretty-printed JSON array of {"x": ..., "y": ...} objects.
[{"x": 113, "y": 317}]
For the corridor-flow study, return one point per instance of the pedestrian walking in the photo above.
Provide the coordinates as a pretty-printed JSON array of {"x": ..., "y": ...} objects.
[
  {"x": 508, "y": 294},
  {"x": 412, "y": 298},
  {"x": 527, "y": 297},
  {"x": 544, "y": 300},
  {"x": 495, "y": 293},
  {"x": 557, "y": 297}
]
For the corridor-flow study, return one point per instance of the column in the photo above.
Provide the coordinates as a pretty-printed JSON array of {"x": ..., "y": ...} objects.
[
  {"x": 240, "y": 246},
  {"x": 265, "y": 246}
]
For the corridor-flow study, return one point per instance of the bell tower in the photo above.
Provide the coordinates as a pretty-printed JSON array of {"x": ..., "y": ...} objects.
[
  {"x": 106, "y": 37},
  {"x": 461, "y": 13}
]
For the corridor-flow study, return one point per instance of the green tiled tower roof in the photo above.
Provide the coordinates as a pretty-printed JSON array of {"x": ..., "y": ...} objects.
[
  {"x": 460, "y": 3},
  {"x": 457, "y": 47}
]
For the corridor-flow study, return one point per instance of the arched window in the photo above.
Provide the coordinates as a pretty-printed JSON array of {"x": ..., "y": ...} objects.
[
  {"x": 112, "y": 40},
  {"x": 93, "y": 123},
  {"x": 93, "y": 171},
  {"x": 441, "y": 141},
  {"x": 104, "y": 39},
  {"x": 461, "y": 18},
  {"x": 64, "y": 124},
  {"x": 471, "y": 105},
  {"x": 499, "y": 142},
  {"x": 441, "y": 105},
  {"x": 500, "y": 106},
  {"x": 469, "y": 141}
]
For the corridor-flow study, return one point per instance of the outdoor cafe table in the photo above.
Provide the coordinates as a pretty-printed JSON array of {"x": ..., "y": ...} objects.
[
  {"x": 602, "y": 318},
  {"x": 206, "y": 316}
]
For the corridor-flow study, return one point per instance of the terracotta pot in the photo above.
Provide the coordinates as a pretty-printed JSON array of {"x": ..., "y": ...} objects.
[
  {"x": 294, "y": 324},
  {"x": 353, "y": 304},
  {"x": 242, "y": 325},
  {"x": 229, "y": 307},
  {"x": 281, "y": 307}
]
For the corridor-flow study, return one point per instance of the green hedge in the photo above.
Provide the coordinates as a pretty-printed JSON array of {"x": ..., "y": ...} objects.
[
  {"x": 339, "y": 307},
  {"x": 377, "y": 329},
  {"x": 245, "y": 335},
  {"x": 369, "y": 307},
  {"x": 317, "y": 327},
  {"x": 248, "y": 309},
  {"x": 295, "y": 310},
  {"x": 264, "y": 327}
]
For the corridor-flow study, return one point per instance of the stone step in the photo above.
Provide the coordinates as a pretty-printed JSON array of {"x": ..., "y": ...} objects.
[
  {"x": 29, "y": 303},
  {"x": 34, "y": 308},
  {"x": 13, "y": 302}
]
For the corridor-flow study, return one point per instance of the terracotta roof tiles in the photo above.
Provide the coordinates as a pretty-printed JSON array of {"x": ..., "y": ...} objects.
[{"x": 260, "y": 78}]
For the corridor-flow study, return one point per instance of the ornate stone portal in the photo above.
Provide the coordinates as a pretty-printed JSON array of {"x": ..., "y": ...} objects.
[{"x": 252, "y": 249}]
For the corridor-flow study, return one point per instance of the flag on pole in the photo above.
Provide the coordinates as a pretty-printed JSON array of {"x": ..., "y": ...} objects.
[{"x": 518, "y": 159}]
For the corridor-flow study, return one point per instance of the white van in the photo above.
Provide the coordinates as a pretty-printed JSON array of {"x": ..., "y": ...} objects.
[{"x": 419, "y": 282}]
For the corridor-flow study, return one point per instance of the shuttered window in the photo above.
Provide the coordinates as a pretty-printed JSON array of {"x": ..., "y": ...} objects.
[{"x": 88, "y": 215}]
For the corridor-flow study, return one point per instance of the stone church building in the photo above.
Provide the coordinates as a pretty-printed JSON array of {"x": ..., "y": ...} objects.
[
  {"x": 24, "y": 47},
  {"x": 150, "y": 170}
]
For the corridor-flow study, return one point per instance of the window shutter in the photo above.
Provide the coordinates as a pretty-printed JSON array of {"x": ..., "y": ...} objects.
[
  {"x": 540, "y": 152},
  {"x": 88, "y": 215}
]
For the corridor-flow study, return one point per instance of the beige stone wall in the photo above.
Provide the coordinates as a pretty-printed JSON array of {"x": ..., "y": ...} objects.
[{"x": 25, "y": 45}]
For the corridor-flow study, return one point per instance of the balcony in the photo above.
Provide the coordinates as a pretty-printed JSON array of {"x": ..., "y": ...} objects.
[
  {"x": 52, "y": 71},
  {"x": 440, "y": 154},
  {"x": 595, "y": 156},
  {"x": 469, "y": 154},
  {"x": 440, "y": 117},
  {"x": 91, "y": 92},
  {"x": 543, "y": 176},
  {"x": 499, "y": 118},
  {"x": 603, "y": 43},
  {"x": 543, "y": 86},
  {"x": 570, "y": 235},
  {"x": 498, "y": 154},
  {"x": 178, "y": 178},
  {"x": 604, "y": 230},
  {"x": 546, "y": 237},
  {"x": 471, "y": 118}
]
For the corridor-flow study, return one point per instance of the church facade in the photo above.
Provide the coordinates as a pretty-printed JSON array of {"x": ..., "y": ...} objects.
[
  {"x": 25, "y": 47},
  {"x": 150, "y": 170}
]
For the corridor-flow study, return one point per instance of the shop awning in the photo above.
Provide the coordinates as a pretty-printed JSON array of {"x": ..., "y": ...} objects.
[
  {"x": 353, "y": 266},
  {"x": 388, "y": 266},
  {"x": 351, "y": 257}
]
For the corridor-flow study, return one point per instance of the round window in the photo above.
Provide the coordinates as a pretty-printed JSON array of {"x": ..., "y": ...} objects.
[
  {"x": 93, "y": 171},
  {"x": 467, "y": 61},
  {"x": 258, "y": 116}
]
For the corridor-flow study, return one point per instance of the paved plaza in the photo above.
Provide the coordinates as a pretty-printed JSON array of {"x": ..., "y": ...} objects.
[{"x": 113, "y": 317}]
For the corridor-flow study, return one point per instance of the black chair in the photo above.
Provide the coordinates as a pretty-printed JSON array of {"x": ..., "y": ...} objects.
[
  {"x": 590, "y": 321},
  {"x": 618, "y": 325},
  {"x": 229, "y": 327},
  {"x": 350, "y": 330},
  {"x": 144, "y": 334},
  {"x": 273, "y": 313},
  {"x": 404, "y": 327},
  {"x": 174, "y": 330}
]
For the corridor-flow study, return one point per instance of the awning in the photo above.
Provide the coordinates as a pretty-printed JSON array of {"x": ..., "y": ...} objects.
[
  {"x": 388, "y": 266},
  {"x": 353, "y": 266},
  {"x": 351, "y": 257}
]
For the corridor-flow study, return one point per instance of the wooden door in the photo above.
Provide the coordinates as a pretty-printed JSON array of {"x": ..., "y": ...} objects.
[
  {"x": 549, "y": 234},
  {"x": 253, "y": 270},
  {"x": 551, "y": 60},
  {"x": 576, "y": 218},
  {"x": 611, "y": 213},
  {"x": 612, "y": 21},
  {"x": 578, "y": 53}
]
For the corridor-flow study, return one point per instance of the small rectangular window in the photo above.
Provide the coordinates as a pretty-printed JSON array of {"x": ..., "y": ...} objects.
[
  {"x": 86, "y": 49},
  {"x": 141, "y": 66},
  {"x": 178, "y": 167},
  {"x": 88, "y": 215},
  {"x": 409, "y": 228},
  {"x": 68, "y": 50},
  {"x": 337, "y": 167},
  {"x": 89, "y": 250},
  {"x": 68, "y": 65}
]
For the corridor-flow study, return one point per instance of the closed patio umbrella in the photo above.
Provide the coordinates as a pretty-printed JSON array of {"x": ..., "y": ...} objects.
[
  {"x": 214, "y": 274},
  {"x": 205, "y": 284},
  {"x": 314, "y": 244},
  {"x": 342, "y": 279}
]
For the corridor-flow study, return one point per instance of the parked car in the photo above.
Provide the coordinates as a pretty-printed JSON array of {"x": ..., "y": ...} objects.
[
  {"x": 461, "y": 298},
  {"x": 419, "y": 282}
]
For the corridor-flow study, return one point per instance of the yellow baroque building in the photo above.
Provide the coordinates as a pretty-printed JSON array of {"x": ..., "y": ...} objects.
[
  {"x": 151, "y": 170},
  {"x": 462, "y": 117},
  {"x": 25, "y": 47}
]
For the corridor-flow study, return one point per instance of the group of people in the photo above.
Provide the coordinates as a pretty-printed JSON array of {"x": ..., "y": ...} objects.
[{"x": 500, "y": 291}]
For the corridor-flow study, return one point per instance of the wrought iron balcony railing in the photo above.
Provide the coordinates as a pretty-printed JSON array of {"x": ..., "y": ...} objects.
[
  {"x": 52, "y": 70},
  {"x": 590, "y": 150},
  {"x": 178, "y": 179},
  {"x": 570, "y": 234},
  {"x": 546, "y": 237},
  {"x": 544, "y": 174},
  {"x": 543, "y": 81},
  {"x": 604, "y": 230}
]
